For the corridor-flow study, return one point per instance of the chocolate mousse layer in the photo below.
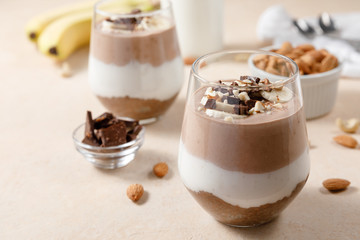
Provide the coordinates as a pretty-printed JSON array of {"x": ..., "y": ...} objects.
[
  {"x": 257, "y": 143},
  {"x": 149, "y": 46},
  {"x": 237, "y": 216},
  {"x": 135, "y": 107}
]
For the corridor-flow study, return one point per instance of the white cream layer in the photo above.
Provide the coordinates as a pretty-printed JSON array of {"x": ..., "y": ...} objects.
[
  {"x": 136, "y": 80},
  {"x": 241, "y": 189}
]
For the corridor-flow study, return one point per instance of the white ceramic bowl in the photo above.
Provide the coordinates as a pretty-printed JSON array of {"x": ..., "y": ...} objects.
[{"x": 319, "y": 90}]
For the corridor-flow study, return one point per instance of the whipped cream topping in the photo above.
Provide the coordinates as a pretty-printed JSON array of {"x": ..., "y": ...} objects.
[{"x": 244, "y": 97}]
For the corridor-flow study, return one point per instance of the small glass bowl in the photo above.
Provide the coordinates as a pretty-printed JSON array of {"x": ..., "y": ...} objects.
[{"x": 108, "y": 157}]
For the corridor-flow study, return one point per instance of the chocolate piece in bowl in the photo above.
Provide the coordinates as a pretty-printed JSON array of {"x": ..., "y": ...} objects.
[
  {"x": 113, "y": 135},
  {"x": 90, "y": 137},
  {"x": 109, "y": 142},
  {"x": 107, "y": 130}
]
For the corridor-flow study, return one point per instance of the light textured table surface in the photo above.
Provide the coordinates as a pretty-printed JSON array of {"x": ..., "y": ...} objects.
[{"x": 49, "y": 191}]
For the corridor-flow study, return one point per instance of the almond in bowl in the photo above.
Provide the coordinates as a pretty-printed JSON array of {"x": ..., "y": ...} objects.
[{"x": 319, "y": 74}]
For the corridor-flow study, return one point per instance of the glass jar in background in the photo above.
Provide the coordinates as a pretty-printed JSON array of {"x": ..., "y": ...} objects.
[
  {"x": 200, "y": 26},
  {"x": 243, "y": 151},
  {"x": 135, "y": 67}
]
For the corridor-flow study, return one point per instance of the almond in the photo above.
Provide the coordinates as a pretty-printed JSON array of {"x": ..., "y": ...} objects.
[
  {"x": 346, "y": 141},
  {"x": 305, "y": 47},
  {"x": 328, "y": 63},
  {"x": 160, "y": 169},
  {"x": 336, "y": 184},
  {"x": 286, "y": 47},
  {"x": 189, "y": 60},
  {"x": 135, "y": 192}
]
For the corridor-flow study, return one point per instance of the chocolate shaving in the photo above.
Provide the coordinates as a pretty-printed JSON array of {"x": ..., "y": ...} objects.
[
  {"x": 210, "y": 104},
  {"x": 255, "y": 95},
  {"x": 233, "y": 100},
  {"x": 220, "y": 89},
  {"x": 241, "y": 110},
  {"x": 250, "y": 103}
]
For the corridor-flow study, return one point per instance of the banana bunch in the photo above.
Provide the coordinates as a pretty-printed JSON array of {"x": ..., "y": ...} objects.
[{"x": 60, "y": 32}]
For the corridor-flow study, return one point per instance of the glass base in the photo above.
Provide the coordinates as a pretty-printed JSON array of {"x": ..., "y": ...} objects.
[
  {"x": 148, "y": 121},
  {"x": 111, "y": 163},
  {"x": 248, "y": 226}
]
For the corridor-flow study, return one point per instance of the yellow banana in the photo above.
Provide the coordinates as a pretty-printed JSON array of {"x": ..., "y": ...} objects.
[
  {"x": 37, "y": 24},
  {"x": 63, "y": 36}
]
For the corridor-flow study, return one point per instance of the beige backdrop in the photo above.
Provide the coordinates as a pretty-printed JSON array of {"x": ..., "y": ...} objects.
[{"x": 48, "y": 191}]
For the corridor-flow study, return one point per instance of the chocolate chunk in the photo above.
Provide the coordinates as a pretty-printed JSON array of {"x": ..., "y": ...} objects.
[
  {"x": 130, "y": 125},
  {"x": 241, "y": 110},
  {"x": 137, "y": 129},
  {"x": 107, "y": 130},
  {"x": 89, "y": 125},
  {"x": 210, "y": 103},
  {"x": 233, "y": 100},
  {"x": 250, "y": 103},
  {"x": 90, "y": 137},
  {"x": 103, "y": 121},
  {"x": 255, "y": 95},
  {"x": 131, "y": 136},
  {"x": 220, "y": 89},
  {"x": 130, "y": 22},
  {"x": 91, "y": 141},
  {"x": 113, "y": 135}
]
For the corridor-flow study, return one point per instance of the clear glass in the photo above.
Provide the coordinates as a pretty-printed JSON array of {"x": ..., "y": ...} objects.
[
  {"x": 108, "y": 157},
  {"x": 135, "y": 67},
  {"x": 243, "y": 169}
]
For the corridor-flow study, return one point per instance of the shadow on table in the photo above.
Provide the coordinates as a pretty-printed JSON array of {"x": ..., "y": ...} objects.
[
  {"x": 260, "y": 232},
  {"x": 170, "y": 123},
  {"x": 141, "y": 168},
  {"x": 319, "y": 213},
  {"x": 78, "y": 61}
]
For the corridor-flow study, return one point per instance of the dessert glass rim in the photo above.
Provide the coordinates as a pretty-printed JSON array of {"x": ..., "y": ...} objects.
[
  {"x": 168, "y": 6},
  {"x": 90, "y": 147},
  {"x": 197, "y": 65}
]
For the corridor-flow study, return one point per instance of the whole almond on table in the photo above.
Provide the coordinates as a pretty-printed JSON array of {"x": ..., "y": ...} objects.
[
  {"x": 160, "y": 169},
  {"x": 346, "y": 141},
  {"x": 135, "y": 192},
  {"x": 336, "y": 184},
  {"x": 189, "y": 60}
]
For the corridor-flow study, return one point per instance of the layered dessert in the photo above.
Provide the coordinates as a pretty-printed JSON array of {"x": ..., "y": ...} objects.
[
  {"x": 244, "y": 151},
  {"x": 135, "y": 67}
]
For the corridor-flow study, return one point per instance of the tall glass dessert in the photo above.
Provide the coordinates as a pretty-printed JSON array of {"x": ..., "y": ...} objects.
[
  {"x": 244, "y": 150},
  {"x": 135, "y": 67}
]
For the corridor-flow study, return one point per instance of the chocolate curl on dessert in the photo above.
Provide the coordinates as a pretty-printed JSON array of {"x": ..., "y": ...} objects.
[
  {"x": 210, "y": 104},
  {"x": 130, "y": 22}
]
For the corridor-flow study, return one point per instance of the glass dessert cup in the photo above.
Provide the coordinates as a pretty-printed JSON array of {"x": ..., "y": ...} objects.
[
  {"x": 108, "y": 157},
  {"x": 243, "y": 151},
  {"x": 135, "y": 66}
]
